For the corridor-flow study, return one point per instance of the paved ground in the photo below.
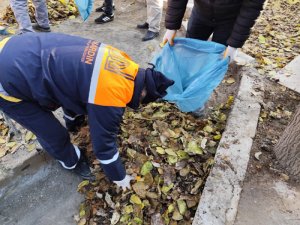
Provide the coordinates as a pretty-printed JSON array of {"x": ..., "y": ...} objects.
[
  {"x": 42, "y": 194},
  {"x": 269, "y": 201}
]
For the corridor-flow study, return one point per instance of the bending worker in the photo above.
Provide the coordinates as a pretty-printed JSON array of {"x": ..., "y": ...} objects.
[
  {"x": 229, "y": 21},
  {"x": 41, "y": 72}
]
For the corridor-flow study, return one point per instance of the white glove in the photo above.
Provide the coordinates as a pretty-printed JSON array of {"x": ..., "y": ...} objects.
[
  {"x": 125, "y": 183},
  {"x": 169, "y": 37},
  {"x": 230, "y": 52}
]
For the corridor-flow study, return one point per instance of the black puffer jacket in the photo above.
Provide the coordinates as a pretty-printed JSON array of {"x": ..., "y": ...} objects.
[{"x": 244, "y": 12}]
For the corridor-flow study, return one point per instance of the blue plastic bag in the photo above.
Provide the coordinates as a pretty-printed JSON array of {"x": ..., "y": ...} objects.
[
  {"x": 85, "y": 8},
  {"x": 197, "y": 67}
]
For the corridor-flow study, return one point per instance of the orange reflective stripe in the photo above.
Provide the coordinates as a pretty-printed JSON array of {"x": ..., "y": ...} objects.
[{"x": 114, "y": 83}]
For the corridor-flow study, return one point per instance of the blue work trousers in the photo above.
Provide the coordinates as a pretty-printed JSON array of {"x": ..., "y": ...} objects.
[
  {"x": 20, "y": 9},
  {"x": 53, "y": 137}
]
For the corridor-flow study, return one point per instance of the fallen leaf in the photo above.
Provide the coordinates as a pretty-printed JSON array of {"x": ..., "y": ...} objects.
[
  {"x": 140, "y": 189},
  {"x": 115, "y": 218},
  {"x": 82, "y": 184},
  {"x": 128, "y": 209},
  {"x": 108, "y": 200},
  {"x": 257, "y": 155},
  {"x": 2, "y": 141},
  {"x": 3, "y": 152},
  {"x": 181, "y": 206},
  {"x": 146, "y": 168},
  {"x": 11, "y": 144},
  {"x": 82, "y": 221},
  {"x": 231, "y": 80},
  {"x": 29, "y": 135},
  {"x": 194, "y": 148},
  {"x": 160, "y": 150},
  {"x": 31, "y": 147},
  {"x": 134, "y": 199},
  {"x": 166, "y": 189},
  {"x": 176, "y": 215},
  {"x": 261, "y": 39}
]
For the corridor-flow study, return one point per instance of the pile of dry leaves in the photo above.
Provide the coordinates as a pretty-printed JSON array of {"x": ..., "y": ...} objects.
[
  {"x": 57, "y": 11},
  {"x": 169, "y": 153},
  {"x": 275, "y": 38},
  {"x": 11, "y": 139}
]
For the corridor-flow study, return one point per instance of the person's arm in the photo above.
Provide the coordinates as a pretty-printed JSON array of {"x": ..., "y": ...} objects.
[
  {"x": 104, "y": 125},
  {"x": 249, "y": 12},
  {"x": 173, "y": 20},
  {"x": 174, "y": 14}
]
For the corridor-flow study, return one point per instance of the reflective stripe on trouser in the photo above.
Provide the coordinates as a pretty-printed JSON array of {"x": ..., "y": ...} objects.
[
  {"x": 53, "y": 137},
  {"x": 154, "y": 14},
  {"x": 20, "y": 8}
]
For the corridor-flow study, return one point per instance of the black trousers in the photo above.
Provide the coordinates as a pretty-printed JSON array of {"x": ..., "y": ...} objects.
[
  {"x": 108, "y": 7},
  {"x": 200, "y": 27}
]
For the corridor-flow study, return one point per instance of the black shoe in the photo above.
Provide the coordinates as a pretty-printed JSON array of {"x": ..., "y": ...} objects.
[
  {"x": 75, "y": 124},
  {"x": 82, "y": 168},
  {"x": 143, "y": 26},
  {"x": 104, "y": 18},
  {"x": 150, "y": 35},
  {"x": 103, "y": 7},
  {"x": 41, "y": 29}
]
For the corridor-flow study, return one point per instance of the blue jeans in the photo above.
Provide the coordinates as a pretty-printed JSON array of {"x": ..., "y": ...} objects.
[
  {"x": 20, "y": 10},
  {"x": 53, "y": 137}
]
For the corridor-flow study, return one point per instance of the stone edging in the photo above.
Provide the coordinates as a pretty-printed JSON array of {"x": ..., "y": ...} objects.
[{"x": 219, "y": 201}]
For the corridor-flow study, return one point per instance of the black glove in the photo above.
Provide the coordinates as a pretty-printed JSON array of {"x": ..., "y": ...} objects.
[{"x": 75, "y": 123}]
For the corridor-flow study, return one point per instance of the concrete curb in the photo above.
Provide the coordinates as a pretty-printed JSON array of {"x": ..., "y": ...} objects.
[
  {"x": 219, "y": 201},
  {"x": 289, "y": 76},
  {"x": 12, "y": 165}
]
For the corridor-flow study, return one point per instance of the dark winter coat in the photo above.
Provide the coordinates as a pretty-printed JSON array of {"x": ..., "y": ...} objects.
[{"x": 243, "y": 12}]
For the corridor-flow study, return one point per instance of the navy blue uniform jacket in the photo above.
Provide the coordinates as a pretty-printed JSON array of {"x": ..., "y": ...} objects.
[{"x": 58, "y": 70}]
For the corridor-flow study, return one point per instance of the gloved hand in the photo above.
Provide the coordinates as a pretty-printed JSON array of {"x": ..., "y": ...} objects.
[
  {"x": 125, "y": 183},
  {"x": 230, "y": 52},
  {"x": 74, "y": 124},
  {"x": 169, "y": 37}
]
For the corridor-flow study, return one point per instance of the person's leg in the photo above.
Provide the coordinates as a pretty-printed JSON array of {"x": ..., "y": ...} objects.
[
  {"x": 53, "y": 137},
  {"x": 223, "y": 31},
  {"x": 108, "y": 7},
  {"x": 108, "y": 14},
  {"x": 20, "y": 10},
  {"x": 198, "y": 26},
  {"x": 41, "y": 13},
  {"x": 154, "y": 14},
  {"x": 102, "y": 8}
]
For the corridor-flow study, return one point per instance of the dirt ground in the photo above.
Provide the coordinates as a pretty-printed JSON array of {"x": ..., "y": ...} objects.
[{"x": 269, "y": 195}]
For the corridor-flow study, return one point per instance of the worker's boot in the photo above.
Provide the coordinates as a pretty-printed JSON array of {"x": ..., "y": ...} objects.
[{"x": 82, "y": 168}]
